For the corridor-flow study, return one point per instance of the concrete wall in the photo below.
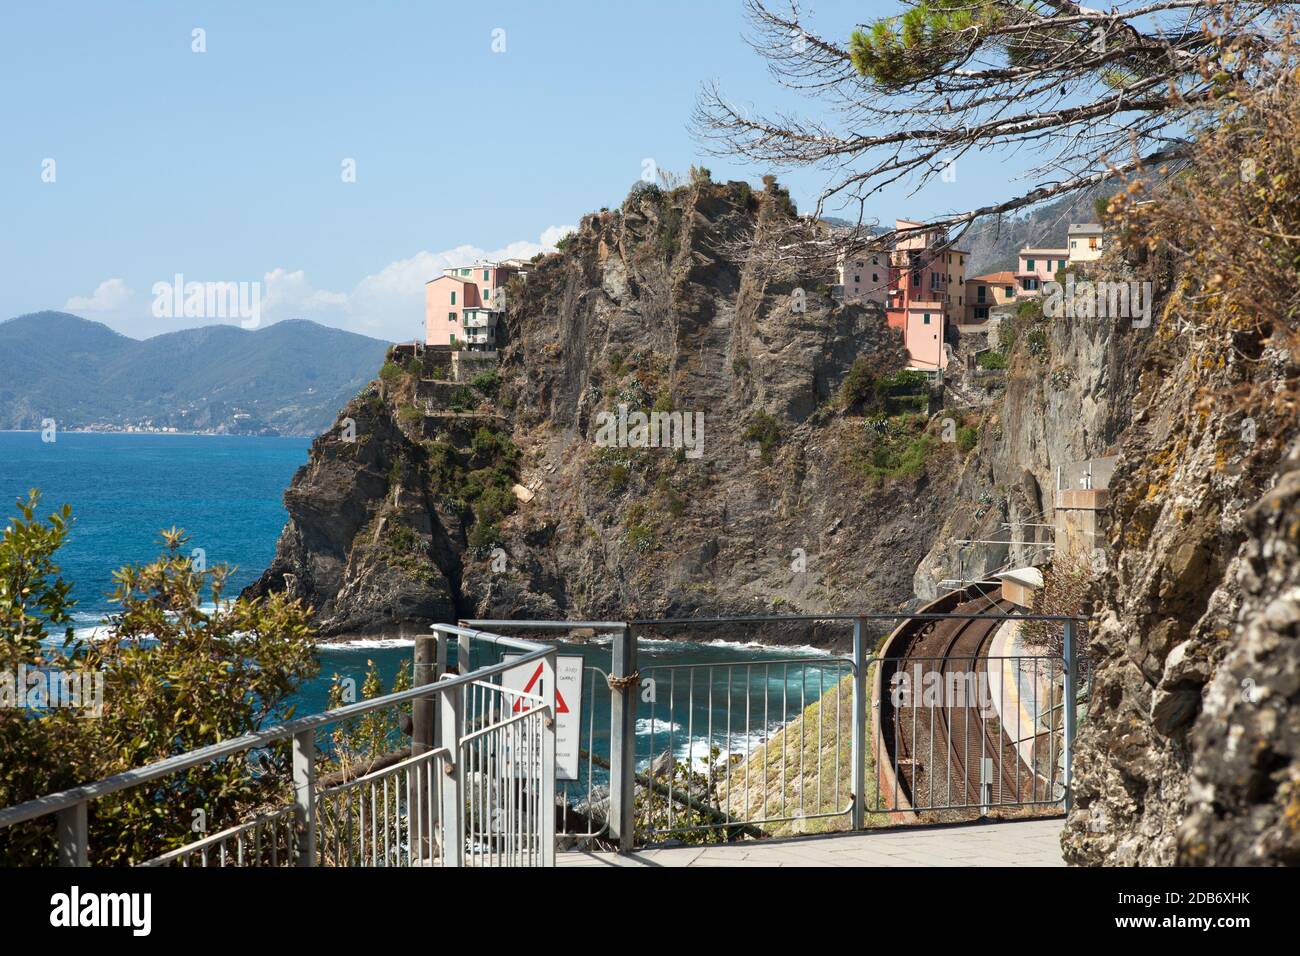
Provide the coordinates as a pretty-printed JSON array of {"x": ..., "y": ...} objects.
[{"x": 1081, "y": 523}]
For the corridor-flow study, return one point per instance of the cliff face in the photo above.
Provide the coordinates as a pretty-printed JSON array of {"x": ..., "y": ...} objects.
[
  {"x": 778, "y": 503},
  {"x": 1069, "y": 397},
  {"x": 368, "y": 545},
  {"x": 1189, "y": 752}
]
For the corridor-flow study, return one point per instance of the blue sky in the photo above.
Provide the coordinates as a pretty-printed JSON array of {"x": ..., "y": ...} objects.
[{"x": 226, "y": 165}]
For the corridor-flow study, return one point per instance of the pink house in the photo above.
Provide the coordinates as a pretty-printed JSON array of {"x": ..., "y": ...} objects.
[
  {"x": 1036, "y": 267},
  {"x": 462, "y": 306},
  {"x": 927, "y": 284}
]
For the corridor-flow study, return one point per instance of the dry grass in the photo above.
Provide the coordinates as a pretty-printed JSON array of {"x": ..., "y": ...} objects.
[{"x": 803, "y": 770}]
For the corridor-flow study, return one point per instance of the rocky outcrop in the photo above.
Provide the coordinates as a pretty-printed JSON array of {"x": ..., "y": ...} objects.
[
  {"x": 368, "y": 546},
  {"x": 648, "y": 308},
  {"x": 1188, "y": 753},
  {"x": 1244, "y": 791}
]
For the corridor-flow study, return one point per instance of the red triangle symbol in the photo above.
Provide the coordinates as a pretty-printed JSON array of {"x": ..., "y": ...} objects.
[{"x": 560, "y": 706}]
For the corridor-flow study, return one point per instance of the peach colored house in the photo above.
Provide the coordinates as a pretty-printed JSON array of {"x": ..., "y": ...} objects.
[
  {"x": 1036, "y": 267},
  {"x": 864, "y": 277},
  {"x": 987, "y": 292},
  {"x": 926, "y": 292},
  {"x": 462, "y": 306}
]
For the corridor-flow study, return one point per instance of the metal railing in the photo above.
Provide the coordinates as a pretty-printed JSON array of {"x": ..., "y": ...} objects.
[
  {"x": 477, "y": 789},
  {"x": 974, "y": 734},
  {"x": 728, "y": 749},
  {"x": 754, "y": 752},
  {"x": 740, "y": 749}
]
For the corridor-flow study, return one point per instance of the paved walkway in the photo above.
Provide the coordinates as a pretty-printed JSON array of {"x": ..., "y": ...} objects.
[{"x": 1013, "y": 843}]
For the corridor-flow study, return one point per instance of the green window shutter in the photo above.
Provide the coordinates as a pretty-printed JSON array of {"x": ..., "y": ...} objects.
[{"x": 453, "y": 298}]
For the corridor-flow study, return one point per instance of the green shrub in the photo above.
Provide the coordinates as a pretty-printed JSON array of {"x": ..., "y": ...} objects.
[
  {"x": 992, "y": 360},
  {"x": 899, "y": 449},
  {"x": 487, "y": 382},
  {"x": 391, "y": 373},
  {"x": 763, "y": 428},
  {"x": 175, "y": 649},
  {"x": 859, "y": 385}
]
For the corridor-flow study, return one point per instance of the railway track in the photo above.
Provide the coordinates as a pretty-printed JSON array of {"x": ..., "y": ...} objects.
[{"x": 952, "y": 754}]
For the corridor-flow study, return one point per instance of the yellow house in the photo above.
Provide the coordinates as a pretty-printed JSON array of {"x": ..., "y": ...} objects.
[{"x": 986, "y": 292}]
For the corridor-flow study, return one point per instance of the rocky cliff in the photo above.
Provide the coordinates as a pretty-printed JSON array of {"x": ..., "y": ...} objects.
[{"x": 784, "y": 500}]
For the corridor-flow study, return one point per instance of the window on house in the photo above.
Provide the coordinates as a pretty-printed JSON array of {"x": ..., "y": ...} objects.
[
  {"x": 464, "y": 272},
  {"x": 979, "y": 293},
  {"x": 485, "y": 275},
  {"x": 451, "y": 316},
  {"x": 926, "y": 318},
  {"x": 981, "y": 312},
  {"x": 916, "y": 278},
  {"x": 857, "y": 279},
  {"x": 1029, "y": 265},
  {"x": 1011, "y": 290},
  {"x": 1092, "y": 243},
  {"x": 1060, "y": 263},
  {"x": 1074, "y": 243},
  {"x": 453, "y": 298}
]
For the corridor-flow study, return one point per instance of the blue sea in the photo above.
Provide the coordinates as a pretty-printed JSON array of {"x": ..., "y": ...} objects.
[{"x": 226, "y": 493}]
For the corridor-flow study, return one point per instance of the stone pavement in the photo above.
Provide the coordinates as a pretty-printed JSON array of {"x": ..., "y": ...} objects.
[{"x": 1010, "y": 843}]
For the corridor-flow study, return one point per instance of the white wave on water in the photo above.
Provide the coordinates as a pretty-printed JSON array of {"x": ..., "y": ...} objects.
[
  {"x": 699, "y": 751},
  {"x": 660, "y": 727},
  {"x": 90, "y": 626},
  {"x": 367, "y": 643},
  {"x": 775, "y": 648},
  {"x": 778, "y": 649}
]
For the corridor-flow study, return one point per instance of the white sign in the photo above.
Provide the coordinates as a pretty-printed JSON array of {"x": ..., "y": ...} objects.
[{"x": 568, "y": 704}]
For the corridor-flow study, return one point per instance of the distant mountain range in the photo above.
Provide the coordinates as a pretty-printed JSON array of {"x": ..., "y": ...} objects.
[{"x": 290, "y": 378}]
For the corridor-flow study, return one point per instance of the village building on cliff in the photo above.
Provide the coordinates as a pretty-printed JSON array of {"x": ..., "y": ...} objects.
[{"x": 463, "y": 305}]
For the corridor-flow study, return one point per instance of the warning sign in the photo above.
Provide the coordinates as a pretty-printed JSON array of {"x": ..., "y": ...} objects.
[{"x": 527, "y": 678}]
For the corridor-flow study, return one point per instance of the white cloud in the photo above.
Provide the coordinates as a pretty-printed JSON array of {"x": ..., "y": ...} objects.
[
  {"x": 111, "y": 295},
  {"x": 554, "y": 234},
  {"x": 388, "y": 304}
]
